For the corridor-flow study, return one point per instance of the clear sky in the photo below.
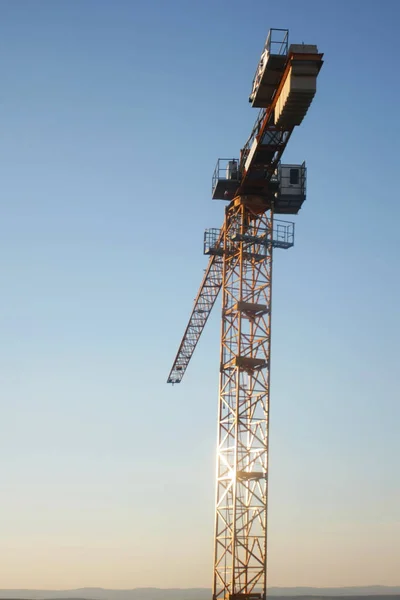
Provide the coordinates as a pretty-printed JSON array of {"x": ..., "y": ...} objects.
[{"x": 112, "y": 116}]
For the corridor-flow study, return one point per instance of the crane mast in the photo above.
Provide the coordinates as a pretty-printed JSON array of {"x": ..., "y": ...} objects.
[
  {"x": 242, "y": 448},
  {"x": 258, "y": 187}
]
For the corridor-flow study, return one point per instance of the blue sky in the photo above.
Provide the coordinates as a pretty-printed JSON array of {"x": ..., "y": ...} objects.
[{"x": 112, "y": 116}]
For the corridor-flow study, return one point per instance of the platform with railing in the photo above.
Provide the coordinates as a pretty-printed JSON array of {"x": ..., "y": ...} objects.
[
  {"x": 269, "y": 68},
  {"x": 257, "y": 245},
  {"x": 226, "y": 179}
]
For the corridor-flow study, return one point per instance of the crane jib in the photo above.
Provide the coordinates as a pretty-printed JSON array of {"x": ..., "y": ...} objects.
[{"x": 204, "y": 302}]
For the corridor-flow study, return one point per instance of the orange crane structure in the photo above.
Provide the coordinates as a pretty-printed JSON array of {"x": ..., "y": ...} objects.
[{"x": 257, "y": 186}]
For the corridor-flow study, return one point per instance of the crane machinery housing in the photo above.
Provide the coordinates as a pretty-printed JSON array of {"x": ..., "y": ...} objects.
[{"x": 257, "y": 186}]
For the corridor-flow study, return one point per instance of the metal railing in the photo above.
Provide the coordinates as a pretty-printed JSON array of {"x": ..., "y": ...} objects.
[
  {"x": 277, "y": 41},
  {"x": 225, "y": 169},
  {"x": 282, "y": 237}
]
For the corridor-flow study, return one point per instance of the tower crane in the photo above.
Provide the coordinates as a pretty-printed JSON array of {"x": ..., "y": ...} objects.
[{"x": 257, "y": 186}]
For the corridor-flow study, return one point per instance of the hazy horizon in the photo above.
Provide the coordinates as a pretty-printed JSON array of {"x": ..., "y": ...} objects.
[{"x": 99, "y": 592}]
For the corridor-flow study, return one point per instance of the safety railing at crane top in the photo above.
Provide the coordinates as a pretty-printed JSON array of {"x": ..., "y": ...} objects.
[{"x": 280, "y": 44}]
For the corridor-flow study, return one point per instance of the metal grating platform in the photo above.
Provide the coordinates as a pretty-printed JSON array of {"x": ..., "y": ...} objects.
[{"x": 283, "y": 238}]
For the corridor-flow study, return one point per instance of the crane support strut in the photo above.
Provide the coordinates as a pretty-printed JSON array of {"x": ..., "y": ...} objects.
[{"x": 205, "y": 300}]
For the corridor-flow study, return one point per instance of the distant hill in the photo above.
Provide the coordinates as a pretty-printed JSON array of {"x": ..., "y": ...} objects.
[
  {"x": 306, "y": 593},
  {"x": 371, "y": 590}
]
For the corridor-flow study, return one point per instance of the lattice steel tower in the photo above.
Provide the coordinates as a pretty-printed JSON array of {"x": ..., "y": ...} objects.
[{"x": 257, "y": 187}]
